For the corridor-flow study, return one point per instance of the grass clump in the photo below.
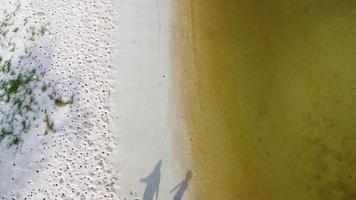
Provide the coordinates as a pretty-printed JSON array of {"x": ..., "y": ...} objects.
[
  {"x": 60, "y": 103},
  {"x": 4, "y": 133},
  {"x": 25, "y": 91},
  {"x": 49, "y": 125},
  {"x": 15, "y": 141}
]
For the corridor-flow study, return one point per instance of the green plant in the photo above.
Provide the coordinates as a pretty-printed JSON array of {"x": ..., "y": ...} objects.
[
  {"x": 21, "y": 106},
  {"x": 49, "y": 125}
]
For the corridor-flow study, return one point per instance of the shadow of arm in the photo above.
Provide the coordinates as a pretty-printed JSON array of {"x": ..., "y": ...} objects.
[{"x": 179, "y": 184}]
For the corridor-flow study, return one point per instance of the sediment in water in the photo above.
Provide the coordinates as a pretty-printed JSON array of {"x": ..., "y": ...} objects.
[{"x": 268, "y": 92}]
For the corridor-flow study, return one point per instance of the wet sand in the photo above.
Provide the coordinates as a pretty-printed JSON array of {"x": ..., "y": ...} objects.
[{"x": 269, "y": 96}]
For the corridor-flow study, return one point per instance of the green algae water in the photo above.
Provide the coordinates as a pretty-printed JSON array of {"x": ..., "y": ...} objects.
[{"x": 269, "y": 89}]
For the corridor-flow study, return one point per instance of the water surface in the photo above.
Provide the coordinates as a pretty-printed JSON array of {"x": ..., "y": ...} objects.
[{"x": 270, "y": 100}]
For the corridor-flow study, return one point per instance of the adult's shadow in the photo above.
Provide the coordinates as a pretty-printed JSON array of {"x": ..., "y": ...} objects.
[
  {"x": 182, "y": 186},
  {"x": 152, "y": 182}
]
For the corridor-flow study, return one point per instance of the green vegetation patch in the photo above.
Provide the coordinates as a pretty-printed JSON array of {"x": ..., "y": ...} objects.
[{"x": 25, "y": 91}]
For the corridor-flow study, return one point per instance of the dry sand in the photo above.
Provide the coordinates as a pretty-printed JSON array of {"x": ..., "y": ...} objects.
[
  {"x": 72, "y": 160},
  {"x": 144, "y": 111},
  {"x": 109, "y": 64}
]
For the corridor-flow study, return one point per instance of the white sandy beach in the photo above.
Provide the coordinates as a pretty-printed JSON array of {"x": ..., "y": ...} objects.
[
  {"x": 99, "y": 109},
  {"x": 63, "y": 149},
  {"x": 144, "y": 120}
]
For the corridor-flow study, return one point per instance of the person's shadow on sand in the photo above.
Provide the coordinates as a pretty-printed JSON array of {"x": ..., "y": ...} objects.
[
  {"x": 152, "y": 182},
  {"x": 182, "y": 186}
]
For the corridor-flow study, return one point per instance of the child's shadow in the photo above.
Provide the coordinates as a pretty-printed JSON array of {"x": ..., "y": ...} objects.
[{"x": 182, "y": 186}]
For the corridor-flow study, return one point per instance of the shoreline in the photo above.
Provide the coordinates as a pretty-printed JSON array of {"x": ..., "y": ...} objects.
[
  {"x": 209, "y": 122},
  {"x": 144, "y": 112},
  {"x": 180, "y": 42}
]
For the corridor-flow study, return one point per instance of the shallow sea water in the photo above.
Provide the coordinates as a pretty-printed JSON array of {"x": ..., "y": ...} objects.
[{"x": 269, "y": 93}]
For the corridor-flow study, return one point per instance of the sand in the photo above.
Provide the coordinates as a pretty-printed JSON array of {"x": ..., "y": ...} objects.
[
  {"x": 144, "y": 110},
  {"x": 101, "y": 121},
  {"x": 63, "y": 151}
]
